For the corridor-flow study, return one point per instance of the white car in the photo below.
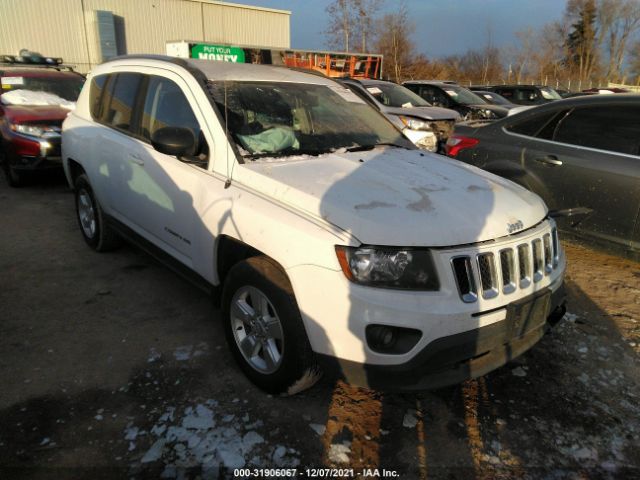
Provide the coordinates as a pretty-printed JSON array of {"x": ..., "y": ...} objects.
[{"x": 331, "y": 239}]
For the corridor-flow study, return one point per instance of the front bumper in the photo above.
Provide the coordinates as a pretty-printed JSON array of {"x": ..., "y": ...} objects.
[
  {"x": 452, "y": 359},
  {"x": 26, "y": 154}
]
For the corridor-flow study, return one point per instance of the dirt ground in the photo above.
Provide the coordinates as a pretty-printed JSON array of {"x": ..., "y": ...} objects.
[{"x": 111, "y": 366}]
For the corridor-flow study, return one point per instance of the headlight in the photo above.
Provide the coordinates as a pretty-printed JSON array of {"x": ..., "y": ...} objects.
[
  {"x": 490, "y": 114},
  {"x": 415, "y": 124},
  {"x": 402, "y": 268},
  {"x": 40, "y": 131}
]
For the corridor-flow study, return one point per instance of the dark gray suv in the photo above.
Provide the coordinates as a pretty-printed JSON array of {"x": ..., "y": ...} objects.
[{"x": 581, "y": 152}]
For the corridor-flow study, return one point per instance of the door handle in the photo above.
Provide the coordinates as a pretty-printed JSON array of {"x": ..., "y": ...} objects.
[
  {"x": 136, "y": 159},
  {"x": 550, "y": 160}
]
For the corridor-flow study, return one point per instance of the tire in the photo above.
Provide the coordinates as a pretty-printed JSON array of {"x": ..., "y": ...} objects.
[
  {"x": 14, "y": 178},
  {"x": 268, "y": 340},
  {"x": 95, "y": 231}
]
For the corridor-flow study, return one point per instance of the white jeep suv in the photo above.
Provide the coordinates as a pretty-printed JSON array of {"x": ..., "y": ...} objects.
[{"x": 331, "y": 240}]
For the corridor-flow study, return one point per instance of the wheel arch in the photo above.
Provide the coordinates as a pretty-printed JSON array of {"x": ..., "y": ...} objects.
[{"x": 73, "y": 169}]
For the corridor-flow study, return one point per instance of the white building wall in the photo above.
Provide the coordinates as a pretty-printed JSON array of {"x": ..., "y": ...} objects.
[{"x": 67, "y": 28}]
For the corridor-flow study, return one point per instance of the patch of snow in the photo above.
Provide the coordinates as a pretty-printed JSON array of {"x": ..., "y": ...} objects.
[
  {"x": 98, "y": 417},
  {"x": 571, "y": 317},
  {"x": 519, "y": 372},
  {"x": 339, "y": 453},
  {"x": 169, "y": 472},
  {"x": 585, "y": 453},
  {"x": 319, "y": 429},
  {"x": 410, "y": 420},
  {"x": 45, "y": 440},
  {"x": 250, "y": 440},
  {"x": 200, "y": 438},
  {"x": 131, "y": 433},
  {"x": 183, "y": 353},
  {"x": 199, "y": 419},
  {"x": 154, "y": 452},
  {"x": 153, "y": 355}
]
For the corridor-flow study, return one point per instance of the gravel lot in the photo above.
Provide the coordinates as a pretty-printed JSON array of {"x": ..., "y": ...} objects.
[{"x": 114, "y": 367}]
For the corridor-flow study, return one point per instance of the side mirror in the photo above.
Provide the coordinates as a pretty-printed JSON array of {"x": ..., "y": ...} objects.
[{"x": 175, "y": 141}]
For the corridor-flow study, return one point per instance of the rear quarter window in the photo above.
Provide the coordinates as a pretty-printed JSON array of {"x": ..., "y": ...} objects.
[
  {"x": 96, "y": 90},
  {"x": 118, "y": 102}
]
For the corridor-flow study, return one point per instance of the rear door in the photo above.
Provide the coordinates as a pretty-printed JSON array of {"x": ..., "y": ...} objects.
[
  {"x": 115, "y": 143},
  {"x": 595, "y": 151}
]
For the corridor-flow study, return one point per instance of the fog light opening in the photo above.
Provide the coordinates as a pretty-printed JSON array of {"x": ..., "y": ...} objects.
[{"x": 391, "y": 340}]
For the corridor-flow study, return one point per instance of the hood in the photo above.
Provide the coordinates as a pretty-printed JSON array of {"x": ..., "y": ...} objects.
[
  {"x": 424, "y": 113},
  {"x": 47, "y": 114},
  {"x": 391, "y": 196}
]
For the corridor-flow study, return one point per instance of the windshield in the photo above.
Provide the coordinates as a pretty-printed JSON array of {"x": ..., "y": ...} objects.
[
  {"x": 393, "y": 95},
  {"x": 494, "y": 98},
  {"x": 550, "y": 94},
  {"x": 463, "y": 96},
  {"x": 66, "y": 87},
  {"x": 283, "y": 119}
]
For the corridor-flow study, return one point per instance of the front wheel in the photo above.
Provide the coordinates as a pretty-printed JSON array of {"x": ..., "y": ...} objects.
[
  {"x": 95, "y": 231},
  {"x": 264, "y": 328},
  {"x": 14, "y": 178}
]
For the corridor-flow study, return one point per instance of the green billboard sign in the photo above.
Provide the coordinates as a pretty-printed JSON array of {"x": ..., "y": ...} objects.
[{"x": 204, "y": 51}]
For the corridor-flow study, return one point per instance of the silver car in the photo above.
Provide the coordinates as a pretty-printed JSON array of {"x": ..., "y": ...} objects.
[{"x": 427, "y": 126}]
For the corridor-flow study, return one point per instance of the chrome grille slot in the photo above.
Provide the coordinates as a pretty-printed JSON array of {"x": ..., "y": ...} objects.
[
  {"x": 524, "y": 264},
  {"x": 526, "y": 261},
  {"x": 488, "y": 277},
  {"x": 538, "y": 260},
  {"x": 463, "y": 271},
  {"x": 556, "y": 245},
  {"x": 548, "y": 255},
  {"x": 508, "y": 269}
]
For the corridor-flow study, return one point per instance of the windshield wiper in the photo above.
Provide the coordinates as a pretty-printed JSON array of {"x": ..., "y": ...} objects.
[
  {"x": 285, "y": 153},
  {"x": 362, "y": 148}
]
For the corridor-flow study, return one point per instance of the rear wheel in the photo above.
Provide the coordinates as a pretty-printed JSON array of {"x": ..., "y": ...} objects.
[
  {"x": 264, "y": 328},
  {"x": 95, "y": 231}
]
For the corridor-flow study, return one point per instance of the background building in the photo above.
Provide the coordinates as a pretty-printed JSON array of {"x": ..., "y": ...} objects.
[{"x": 86, "y": 32}]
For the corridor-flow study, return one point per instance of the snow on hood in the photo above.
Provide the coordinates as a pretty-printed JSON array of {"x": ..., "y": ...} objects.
[
  {"x": 30, "y": 97},
  {"x": 390, "y": 196}
]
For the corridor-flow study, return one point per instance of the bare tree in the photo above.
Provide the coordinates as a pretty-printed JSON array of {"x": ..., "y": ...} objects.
[
  {"x": 618, "y": 21},
  {"x": 522, "y": 58},
  {"x": 365, "y": 17},
  {"x": 394, "y": 42},
  {"x": 341, "y": 21},
  {"x": 634, "y": 61}
]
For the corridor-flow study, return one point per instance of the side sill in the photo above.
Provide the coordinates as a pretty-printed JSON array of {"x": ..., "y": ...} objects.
[{"x": 161, "y": 256}]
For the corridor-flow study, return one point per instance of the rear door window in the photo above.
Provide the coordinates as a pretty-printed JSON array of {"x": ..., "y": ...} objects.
[
  {"x": 612, "y": 128},
  {"x": 120, "y": 100}
]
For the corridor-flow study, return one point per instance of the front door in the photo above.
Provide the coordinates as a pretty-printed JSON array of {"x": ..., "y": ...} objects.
[{"x": 163, "y": 190}]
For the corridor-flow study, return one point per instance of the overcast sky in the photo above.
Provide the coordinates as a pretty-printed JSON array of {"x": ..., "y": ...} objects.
[{"x": 443, "y": 27}]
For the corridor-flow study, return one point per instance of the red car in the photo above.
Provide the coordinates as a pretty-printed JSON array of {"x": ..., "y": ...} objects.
[{"x": 36, "y": 94}]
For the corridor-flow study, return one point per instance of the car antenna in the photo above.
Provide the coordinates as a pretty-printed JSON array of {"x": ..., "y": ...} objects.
[{"x": 227, "y": 183}]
